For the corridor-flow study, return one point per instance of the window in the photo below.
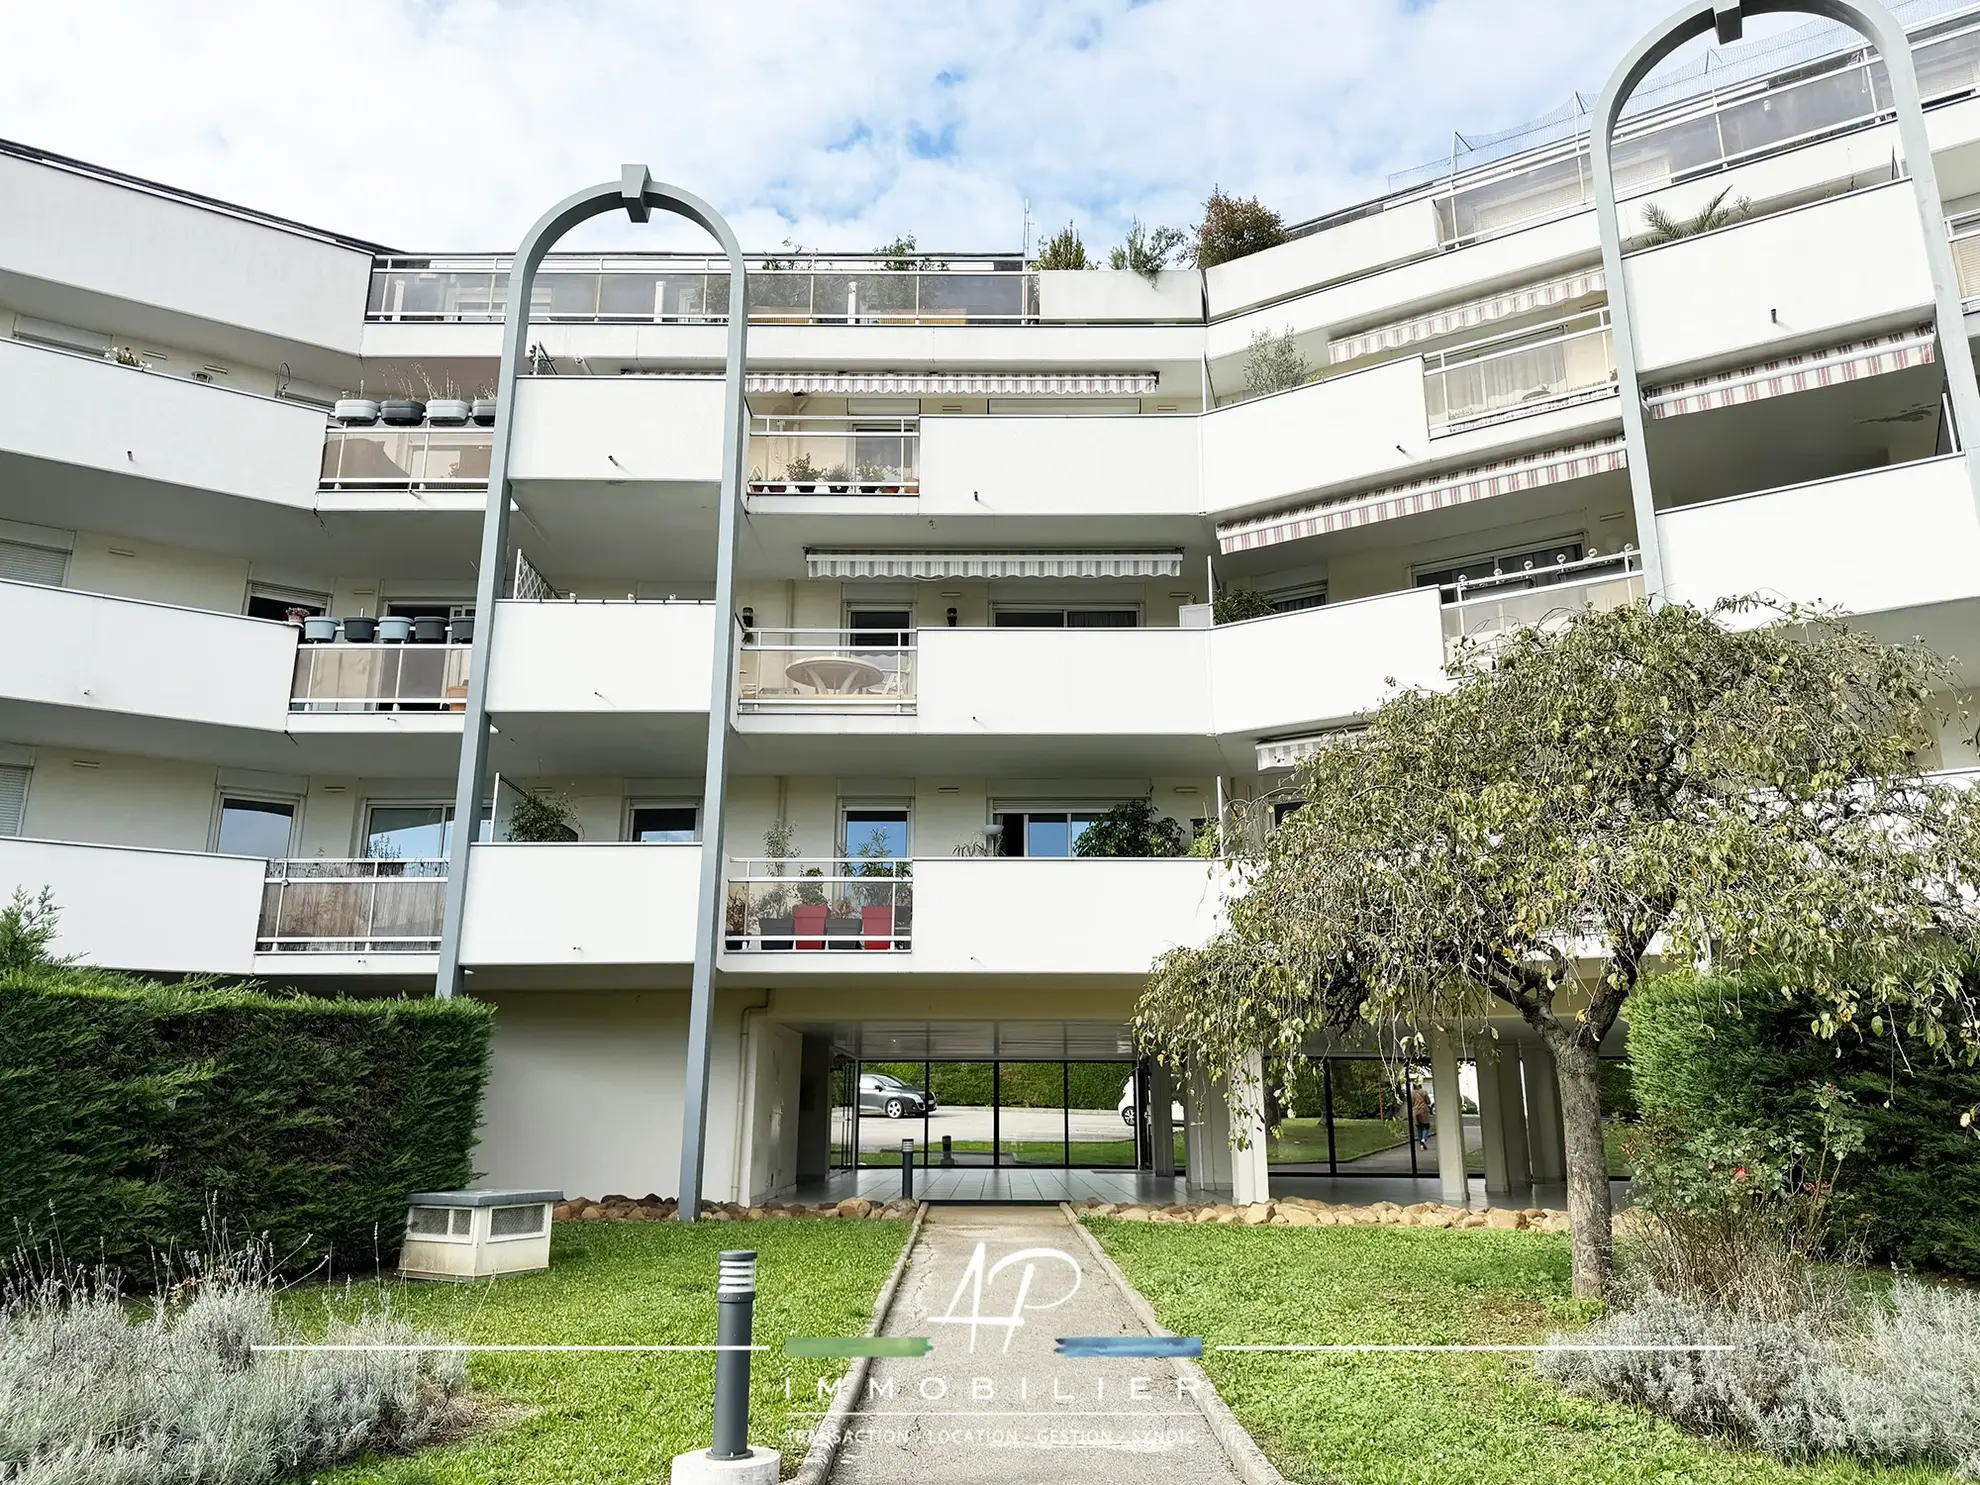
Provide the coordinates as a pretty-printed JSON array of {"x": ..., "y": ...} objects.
[
  {"x": 1064, "y": 616},
  {"x": 662, "y": 823},
  {"x": 1284, "y": 807},
  {"x": 881, "y": 628},
  {"x": 428, "y": 608},
  {"x": 270, "y": 601},
  {"x": 877, "y": 831},
  {"x": 255, "y": 827},
  {"x": 1043, "y": 832},
  {"x": 23, "y": 562},
  {"x": 13, "y": 797},
  {"x": 414, "y": 832},
  {"x": 1292, "y": 600}
]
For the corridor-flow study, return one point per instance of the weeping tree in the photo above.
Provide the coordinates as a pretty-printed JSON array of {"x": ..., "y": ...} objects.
[{"x": 1739, "y": 786}]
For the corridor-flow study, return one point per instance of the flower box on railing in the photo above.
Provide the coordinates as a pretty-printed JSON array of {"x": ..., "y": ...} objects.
[{"x": 831, "y": 904}]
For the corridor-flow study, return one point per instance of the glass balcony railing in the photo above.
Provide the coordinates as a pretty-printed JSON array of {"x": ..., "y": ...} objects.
[
  {"x": 380, "y": 678},
  {"x": 799, "y": 905},
  {"x": 1516, "y": 374},
  {"x": 1483, "y": 613},
  {"x": 692, "y": 290},
  {"x": 405, "y": 458},
  {"x": 825, "y": 670},
  {"x": 818, "y": 455},
  {"x": 321, "y": 906}
]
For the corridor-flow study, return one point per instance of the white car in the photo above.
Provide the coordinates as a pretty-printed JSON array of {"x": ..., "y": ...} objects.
[{"x": 1127, "y": 1107}]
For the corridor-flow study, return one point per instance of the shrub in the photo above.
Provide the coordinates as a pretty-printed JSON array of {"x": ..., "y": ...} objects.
[
  {"x": 1233, "y": 227},
  {"x": 96, "y": 1393},
  {"x": 1063, "y": 249},
  {"x": 1726, "y": 1062},
  {"x": 1132, "y": 828},
  {"x": 1274, "y": 364},
  {"x": 1897, "y": 1382},
  {"x": 27, "y": 931},
  {"x": 132, "y": 1108},
  {"x": 1146, "y": 252},
  {"x": 540, "y": 817},
  {"x": 1237, "y": 603}
]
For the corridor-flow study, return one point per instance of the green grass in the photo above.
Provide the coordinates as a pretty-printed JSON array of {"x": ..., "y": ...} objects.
[
  {"x": 1415, "y": 1420},
  {"x": 1302, "y": 1140},
  {"x": 604, "y": 1419},
  {"x": 1030, "y": 1152}
]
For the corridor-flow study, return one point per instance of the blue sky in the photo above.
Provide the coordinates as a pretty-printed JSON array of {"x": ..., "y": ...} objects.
[{"x": 436, "y": 124}]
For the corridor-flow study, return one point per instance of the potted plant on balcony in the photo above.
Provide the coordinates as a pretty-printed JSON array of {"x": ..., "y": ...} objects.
[
  {"x": 404, "y": 410},
  {"x": 319, "y": 629},
  {"x": 355, "y": 410},
  {"x": 481, "y": 412},
  {"x": 879, "y": 902},
  {"x": 810, "y": 914},
  {"x": 842, "y": 927},
  {"x": 449, "y": 409},
  {"x": 775, "y": 921},
  {"x": 838, "y": 479},
  {"x": 1132, "y": 828},
  {"x": 394, "y": 629},
  {"x": 540, "y": 818},
  {"x": 802, "y": 474},
  {"x": 735, "y": 918}
]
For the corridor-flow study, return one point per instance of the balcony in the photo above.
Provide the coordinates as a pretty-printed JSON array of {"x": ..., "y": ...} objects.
[
  {"x": 1064, "y": 465},
  {"x": 584, "y": 658},
  {"x": 618, "y": 430},
  {"x": 147, "y": 911},
  {"x": 1508, "y": 377},
  {"x": 1268, "y": 448},
  {"x": 825, "y": 671},
  {"x": 806, "y": 905},
  {"x": 1481, "y": 615},
  {"x": 323, "y": 906},
  {"x": 1884, "y": 540},
  {"x": 583, "y": 903},
  {"x": 380, "y": 678},
  {"x": 679, "y": 289},
  {"x": 406, "y": 458},
  {"x": 798, "y": 454},
  {"x": 87, "y": 412}
]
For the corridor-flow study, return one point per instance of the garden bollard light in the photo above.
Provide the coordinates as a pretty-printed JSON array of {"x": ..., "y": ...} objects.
[
  {"x": 907, "y": 1170},
  {"x": 730, "y": 1460},
  {"x": 948, "y": 1155}
]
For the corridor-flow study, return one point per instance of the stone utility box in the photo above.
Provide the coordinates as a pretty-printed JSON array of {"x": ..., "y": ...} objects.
[{"x": 476, "y": 1234}]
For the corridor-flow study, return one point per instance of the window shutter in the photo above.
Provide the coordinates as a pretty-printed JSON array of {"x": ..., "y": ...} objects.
[
  {"x": 13, "y": 797},
  {"x": 21, "y": 563}
]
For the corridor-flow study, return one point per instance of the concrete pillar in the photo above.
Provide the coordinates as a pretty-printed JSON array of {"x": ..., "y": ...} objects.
[
  {"x": 1208, "y": 1142},
  {"x": 1502, "y": 1119},
  {"x": 1250, "y": 1177},
  {"x": 1546, "y": 1141},
  {"x": 1161, "y": 1128},
  {"x": 1449, "y": 1114}
]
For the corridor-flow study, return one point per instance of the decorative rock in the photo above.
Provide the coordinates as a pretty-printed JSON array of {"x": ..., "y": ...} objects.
[
  {"x": 854, "y": 1206},
  {"x": 1134, "y": 1214},
  {"x": 1504, "y": 1218},
  {"x": 1258, "y": 1213}
]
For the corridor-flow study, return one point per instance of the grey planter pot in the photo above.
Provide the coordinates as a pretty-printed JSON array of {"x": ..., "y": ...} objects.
[
  {"x": 842, "y": 933},
  {"x": 779, "y": 934},
  {"x": 402, "y": 412},
  {"x": 356, "y": 412},
  {"x": 482, "y": 412},
  {"x": 447, "y": 412}
]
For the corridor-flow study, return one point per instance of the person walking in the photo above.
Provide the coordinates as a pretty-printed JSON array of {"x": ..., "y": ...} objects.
[{"x": 1419, "y": 1113}]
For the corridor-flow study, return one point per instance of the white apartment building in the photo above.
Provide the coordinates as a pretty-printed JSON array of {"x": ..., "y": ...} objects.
[{"x": 986, "y": 509}]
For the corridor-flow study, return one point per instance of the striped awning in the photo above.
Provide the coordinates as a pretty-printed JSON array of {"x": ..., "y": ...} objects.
[
  {"x": 957, "y": 383},
  {"x": 1473, "y": 312},
  {"x": 1461, "y": 487},
  {"x": 1290, "y": 752},
  {"x": 994, "y": 564},
  {"x": 1821, "y": 368}
]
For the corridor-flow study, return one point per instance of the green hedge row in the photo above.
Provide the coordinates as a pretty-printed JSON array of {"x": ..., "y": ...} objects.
[
  {"x": 1027, "y": 1085},
  {"x": 1729, "y": 1052},
  {"x": 130, "y": 1109}
]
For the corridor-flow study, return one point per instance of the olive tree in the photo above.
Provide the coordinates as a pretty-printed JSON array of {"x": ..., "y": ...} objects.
[{"x": 1627, "y": 785}]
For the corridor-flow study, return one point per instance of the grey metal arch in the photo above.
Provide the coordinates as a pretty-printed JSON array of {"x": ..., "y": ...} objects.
[
  {"x": 637, "y": 193},
  {"x": 1727, "y": 19}
]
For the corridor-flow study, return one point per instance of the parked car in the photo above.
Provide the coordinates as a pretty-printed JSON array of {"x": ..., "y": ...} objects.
[
  {"x": 882, "y": 1093},
  {"x": 1127, "y": 1107}
]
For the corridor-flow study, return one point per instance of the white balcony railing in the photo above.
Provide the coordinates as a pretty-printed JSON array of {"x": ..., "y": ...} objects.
[
  {"x": 380, "y": 678},
  {"x": 805, "y": 904},
  {"x": 823, "y": 455},
  {"x": 405, "y": 458},
  {"x": 1482, "y": 613},
  {"x": 322, "y": 906},
  {"x": 1515, "y": 374},
  {"x": 825, "y": 670}
]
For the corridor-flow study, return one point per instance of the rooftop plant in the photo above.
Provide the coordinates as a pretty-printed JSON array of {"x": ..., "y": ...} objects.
[{"x": 1234, "y": 227}]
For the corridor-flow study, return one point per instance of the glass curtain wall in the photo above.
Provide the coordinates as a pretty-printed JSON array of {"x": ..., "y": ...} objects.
[
  {"x": 1002, "y": 1114},
  {"x": 1350, "y": 1116}
]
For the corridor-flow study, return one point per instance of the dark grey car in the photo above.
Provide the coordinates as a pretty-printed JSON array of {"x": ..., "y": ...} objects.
[{"x": 882, "y": 1093}]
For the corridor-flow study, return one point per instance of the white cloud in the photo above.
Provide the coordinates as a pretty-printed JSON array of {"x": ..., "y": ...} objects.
[{"x": 433, "y": 124}]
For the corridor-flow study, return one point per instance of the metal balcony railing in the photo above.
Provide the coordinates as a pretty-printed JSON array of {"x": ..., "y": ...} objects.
[
  {"x": 823, "y": 455},
  {"x": 1515, "y": 374},
  {"x": 1482, "y": 613},
  {"x": 365, "y": 906},
  {"x": 691, "y": 289},
  {"x": 816, "y": 904},
  {"x": 825, "y": 670},
  {"x": 405, "y": 458},
  {"x": 380, "y": 678}
]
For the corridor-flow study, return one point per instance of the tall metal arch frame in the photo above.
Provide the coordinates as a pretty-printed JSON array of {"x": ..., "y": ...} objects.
[
  {"x": 1727, "y": 18},
  {"x": 637, "y": 193}
]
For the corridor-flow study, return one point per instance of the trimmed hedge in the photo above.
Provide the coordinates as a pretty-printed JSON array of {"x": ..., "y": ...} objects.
[
  {"x": 1730, "y": 1052},
  {"x": 130, "y": 1109}
]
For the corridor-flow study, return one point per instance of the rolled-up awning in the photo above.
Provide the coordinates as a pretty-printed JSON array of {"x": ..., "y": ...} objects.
[
  {"x": 1799, "y": 373},
  {"x": 957, "y": 383},
  {"x": 1290, "y": 752},
  {"x": 994, "y": 564},
  {"x": 1473, "y": 312},
  {"x": 1460, "y": 487}
]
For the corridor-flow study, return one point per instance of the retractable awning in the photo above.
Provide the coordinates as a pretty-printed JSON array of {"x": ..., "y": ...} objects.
[
  {"x": 1555, "y": 466},
  {"x": 1470, "y": 314},
  {"x": 994, "y": 564},
  {"x": 957, "y": 383},
  {"x": 1800, "y": 373},
  {"x": 1290, "y": 752}
]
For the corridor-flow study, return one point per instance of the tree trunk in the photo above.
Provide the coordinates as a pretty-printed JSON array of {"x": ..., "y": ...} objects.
[{"x": 1587, "y": 1161}]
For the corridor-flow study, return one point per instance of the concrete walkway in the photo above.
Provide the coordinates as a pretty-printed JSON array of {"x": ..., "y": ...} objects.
[{"x": 1010, "y": 1409}]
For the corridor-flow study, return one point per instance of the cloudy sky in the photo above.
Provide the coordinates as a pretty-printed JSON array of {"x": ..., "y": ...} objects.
[{"x": 435, "y": 124}]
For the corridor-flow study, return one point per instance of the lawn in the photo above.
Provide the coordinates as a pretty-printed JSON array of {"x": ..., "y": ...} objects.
[
  {"x": 1383, "y": 1420},
  {"x": 578, "y": 1419},
  {"x": 1300, "y": 1141}
]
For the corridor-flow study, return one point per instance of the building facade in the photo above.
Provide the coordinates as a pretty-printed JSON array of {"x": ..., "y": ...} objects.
[{"x": 987, "y": 510}]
